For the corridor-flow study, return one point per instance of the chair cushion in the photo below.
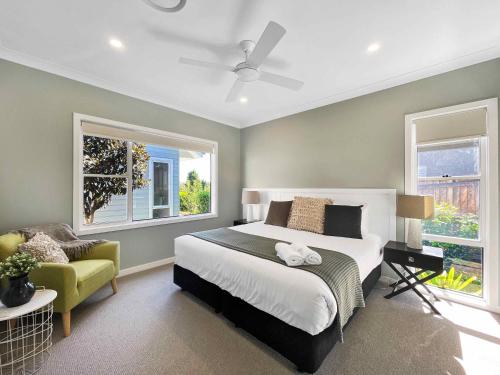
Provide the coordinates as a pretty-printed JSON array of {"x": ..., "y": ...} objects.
[
  {"x": 92, "y": 275},
  {"x": 87, "y": 269},
  {"x": 9, "y": 243}
]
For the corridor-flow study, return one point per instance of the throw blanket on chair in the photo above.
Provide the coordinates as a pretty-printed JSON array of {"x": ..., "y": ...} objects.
[
  {"x": 64, "y": 236},
  {"x": 339, "y": 271}
]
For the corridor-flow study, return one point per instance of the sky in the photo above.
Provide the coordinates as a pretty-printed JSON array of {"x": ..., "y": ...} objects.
[{"x": 200, "y": 165}]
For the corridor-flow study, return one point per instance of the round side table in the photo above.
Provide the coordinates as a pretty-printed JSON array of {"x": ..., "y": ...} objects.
[{"x": 26, "y": 334}]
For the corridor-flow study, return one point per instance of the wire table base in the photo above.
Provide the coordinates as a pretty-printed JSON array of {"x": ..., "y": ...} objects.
[{"x": 25, "y": 342}]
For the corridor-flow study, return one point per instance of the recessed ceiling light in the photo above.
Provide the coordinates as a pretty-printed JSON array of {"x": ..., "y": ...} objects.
[
  {"x": 374, "y": 47},
  {"x": 243, "y": 99},
  {"x": 116, "y": 43}
]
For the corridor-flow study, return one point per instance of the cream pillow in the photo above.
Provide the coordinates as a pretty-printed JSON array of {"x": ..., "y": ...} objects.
[
  {"x": 308, "y": 214},
  {"x": 44, "y": 249}
]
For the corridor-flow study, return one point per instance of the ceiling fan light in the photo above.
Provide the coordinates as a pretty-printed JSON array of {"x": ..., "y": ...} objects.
[
  {"x": 372, "y": 48},
  {"x": 246, "y": 74},
  {"x": 116, "y": 43}
]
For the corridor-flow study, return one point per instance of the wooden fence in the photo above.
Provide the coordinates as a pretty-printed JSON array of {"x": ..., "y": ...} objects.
[{"x": 462, "y": 194}]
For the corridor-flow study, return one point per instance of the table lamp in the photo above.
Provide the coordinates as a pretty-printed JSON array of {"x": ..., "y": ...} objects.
[
  {"x": 416, "y": 208},
  {"x": 250, "y": 197}
]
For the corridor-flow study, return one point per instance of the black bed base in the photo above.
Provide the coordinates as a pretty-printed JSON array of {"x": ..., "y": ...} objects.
[{"x": 303, "y": 349}]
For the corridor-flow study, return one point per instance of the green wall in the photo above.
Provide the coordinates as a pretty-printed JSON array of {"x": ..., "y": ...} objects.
[
  {"x": 36, "y": 152},
  {"x": 355, "y": 143},
  {"x": 358, "y": 143}
]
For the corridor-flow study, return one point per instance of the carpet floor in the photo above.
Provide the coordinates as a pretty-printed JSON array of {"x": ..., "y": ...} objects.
[{"x": 151, "y": 327}]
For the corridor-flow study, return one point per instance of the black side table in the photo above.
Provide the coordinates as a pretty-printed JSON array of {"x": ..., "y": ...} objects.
[
  {"x": 429, "y": 259},
  {"x": 243, "y": 221}
]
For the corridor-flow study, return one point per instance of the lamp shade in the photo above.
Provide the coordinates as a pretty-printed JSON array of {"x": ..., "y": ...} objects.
[
  {"x": 415, "y": 206},
  {"x": 250, "y": 197}
]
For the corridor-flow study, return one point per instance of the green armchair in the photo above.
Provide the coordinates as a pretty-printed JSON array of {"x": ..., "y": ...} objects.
[{"x": 75, "y": 281}]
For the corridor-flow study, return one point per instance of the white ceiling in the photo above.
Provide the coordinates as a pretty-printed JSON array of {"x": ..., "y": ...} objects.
[{"x": 325, "y": 47}]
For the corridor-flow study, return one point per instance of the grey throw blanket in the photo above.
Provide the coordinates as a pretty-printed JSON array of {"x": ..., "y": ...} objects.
[
  {"x": 64, "y": 236},
  {"x": 339, "y": 271}
]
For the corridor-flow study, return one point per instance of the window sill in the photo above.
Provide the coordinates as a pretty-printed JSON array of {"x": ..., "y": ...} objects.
[{"x": 103, "y": 228}]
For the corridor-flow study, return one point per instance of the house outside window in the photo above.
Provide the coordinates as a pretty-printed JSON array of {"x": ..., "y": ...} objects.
[
  {"x": 128, "y": 176},
  {"x": 161, "y": 188}
]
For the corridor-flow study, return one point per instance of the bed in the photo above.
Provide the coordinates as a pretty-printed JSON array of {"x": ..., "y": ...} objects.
[{"x": 291, "y": 310}]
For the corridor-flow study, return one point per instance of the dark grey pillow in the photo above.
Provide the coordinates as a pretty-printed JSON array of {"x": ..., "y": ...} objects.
[
  {"x": 343, "y": 221},
  {"x": 278, "y": 213}
]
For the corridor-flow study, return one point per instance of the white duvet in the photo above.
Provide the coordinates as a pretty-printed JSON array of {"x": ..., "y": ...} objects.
[{"x": 295, "y": 296}]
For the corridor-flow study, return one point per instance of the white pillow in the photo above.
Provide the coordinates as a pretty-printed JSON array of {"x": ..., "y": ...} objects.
[
  {"x": 44, "y": 249},
  {"x": 364, "y": 220}
]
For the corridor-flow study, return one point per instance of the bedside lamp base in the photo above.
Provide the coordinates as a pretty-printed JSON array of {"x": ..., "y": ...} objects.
[
  {"x": 249, "y": 212},
  {"x": 415, "y": 234}
]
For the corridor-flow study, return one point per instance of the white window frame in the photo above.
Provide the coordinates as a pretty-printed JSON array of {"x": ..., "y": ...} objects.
[
  {"x": 78, "y": 212},
  {"x": 170, "y": 164},
  {"x": 488, "y": 199}
]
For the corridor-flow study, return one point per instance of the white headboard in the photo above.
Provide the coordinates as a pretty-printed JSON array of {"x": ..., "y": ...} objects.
[{"x": 381, "y": 204}]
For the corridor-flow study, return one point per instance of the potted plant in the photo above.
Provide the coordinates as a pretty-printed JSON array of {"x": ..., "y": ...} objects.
[{"x": 16, "y": 269}]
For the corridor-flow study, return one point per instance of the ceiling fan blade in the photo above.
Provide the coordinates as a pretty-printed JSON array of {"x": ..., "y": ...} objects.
[
  {"x": 282, "y": 81},
  {"x": 235, "y": 91},
  {"x": 205, "y": 64},
  {"x": 268, "y": 40}
]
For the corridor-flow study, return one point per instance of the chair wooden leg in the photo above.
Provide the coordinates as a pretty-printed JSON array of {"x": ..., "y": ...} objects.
[
  {"x": 114, "y": 285},
  {"x": 66, "y": 318}
]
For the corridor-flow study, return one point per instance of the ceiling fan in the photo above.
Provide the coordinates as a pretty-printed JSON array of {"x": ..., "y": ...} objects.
[{"x": 248, "y": 70}]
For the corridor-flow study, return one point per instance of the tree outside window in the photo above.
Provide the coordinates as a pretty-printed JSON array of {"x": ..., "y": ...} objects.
[{"x": 103, "y": 158}]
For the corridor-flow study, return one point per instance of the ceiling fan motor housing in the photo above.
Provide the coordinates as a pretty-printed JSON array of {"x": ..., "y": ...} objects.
[{"x": 246, "y": 73}]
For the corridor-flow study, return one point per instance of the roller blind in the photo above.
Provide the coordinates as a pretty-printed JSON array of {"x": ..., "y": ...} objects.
[
  {"x": 454, "y": 125},
  {"x": 148, "y": 137}
]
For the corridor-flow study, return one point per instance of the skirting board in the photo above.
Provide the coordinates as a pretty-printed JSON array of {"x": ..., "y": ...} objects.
[
  {"x": 387, "y": 279},
  {"x": 146, "y": 266}
]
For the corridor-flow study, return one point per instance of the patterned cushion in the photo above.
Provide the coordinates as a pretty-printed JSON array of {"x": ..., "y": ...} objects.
[
  {"x": 44, "y": 249},
  {"x": 308, "y": 214}
]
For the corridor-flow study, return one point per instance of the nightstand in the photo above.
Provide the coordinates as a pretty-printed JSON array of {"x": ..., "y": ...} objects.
[
  {"x": 429, "y": 259},
  {"x": 243, "y": 221}
]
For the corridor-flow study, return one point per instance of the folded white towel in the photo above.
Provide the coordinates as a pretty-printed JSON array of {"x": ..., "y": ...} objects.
[
  {"x": 310, "y": 256},
  {"x": 286, "y": 253}
]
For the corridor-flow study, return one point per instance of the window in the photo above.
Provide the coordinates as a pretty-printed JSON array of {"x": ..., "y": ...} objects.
[
  {"x": 452, "y": 154},
  {"x": 450, "y": 171},
  {"x": 128, "y": 176}
]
